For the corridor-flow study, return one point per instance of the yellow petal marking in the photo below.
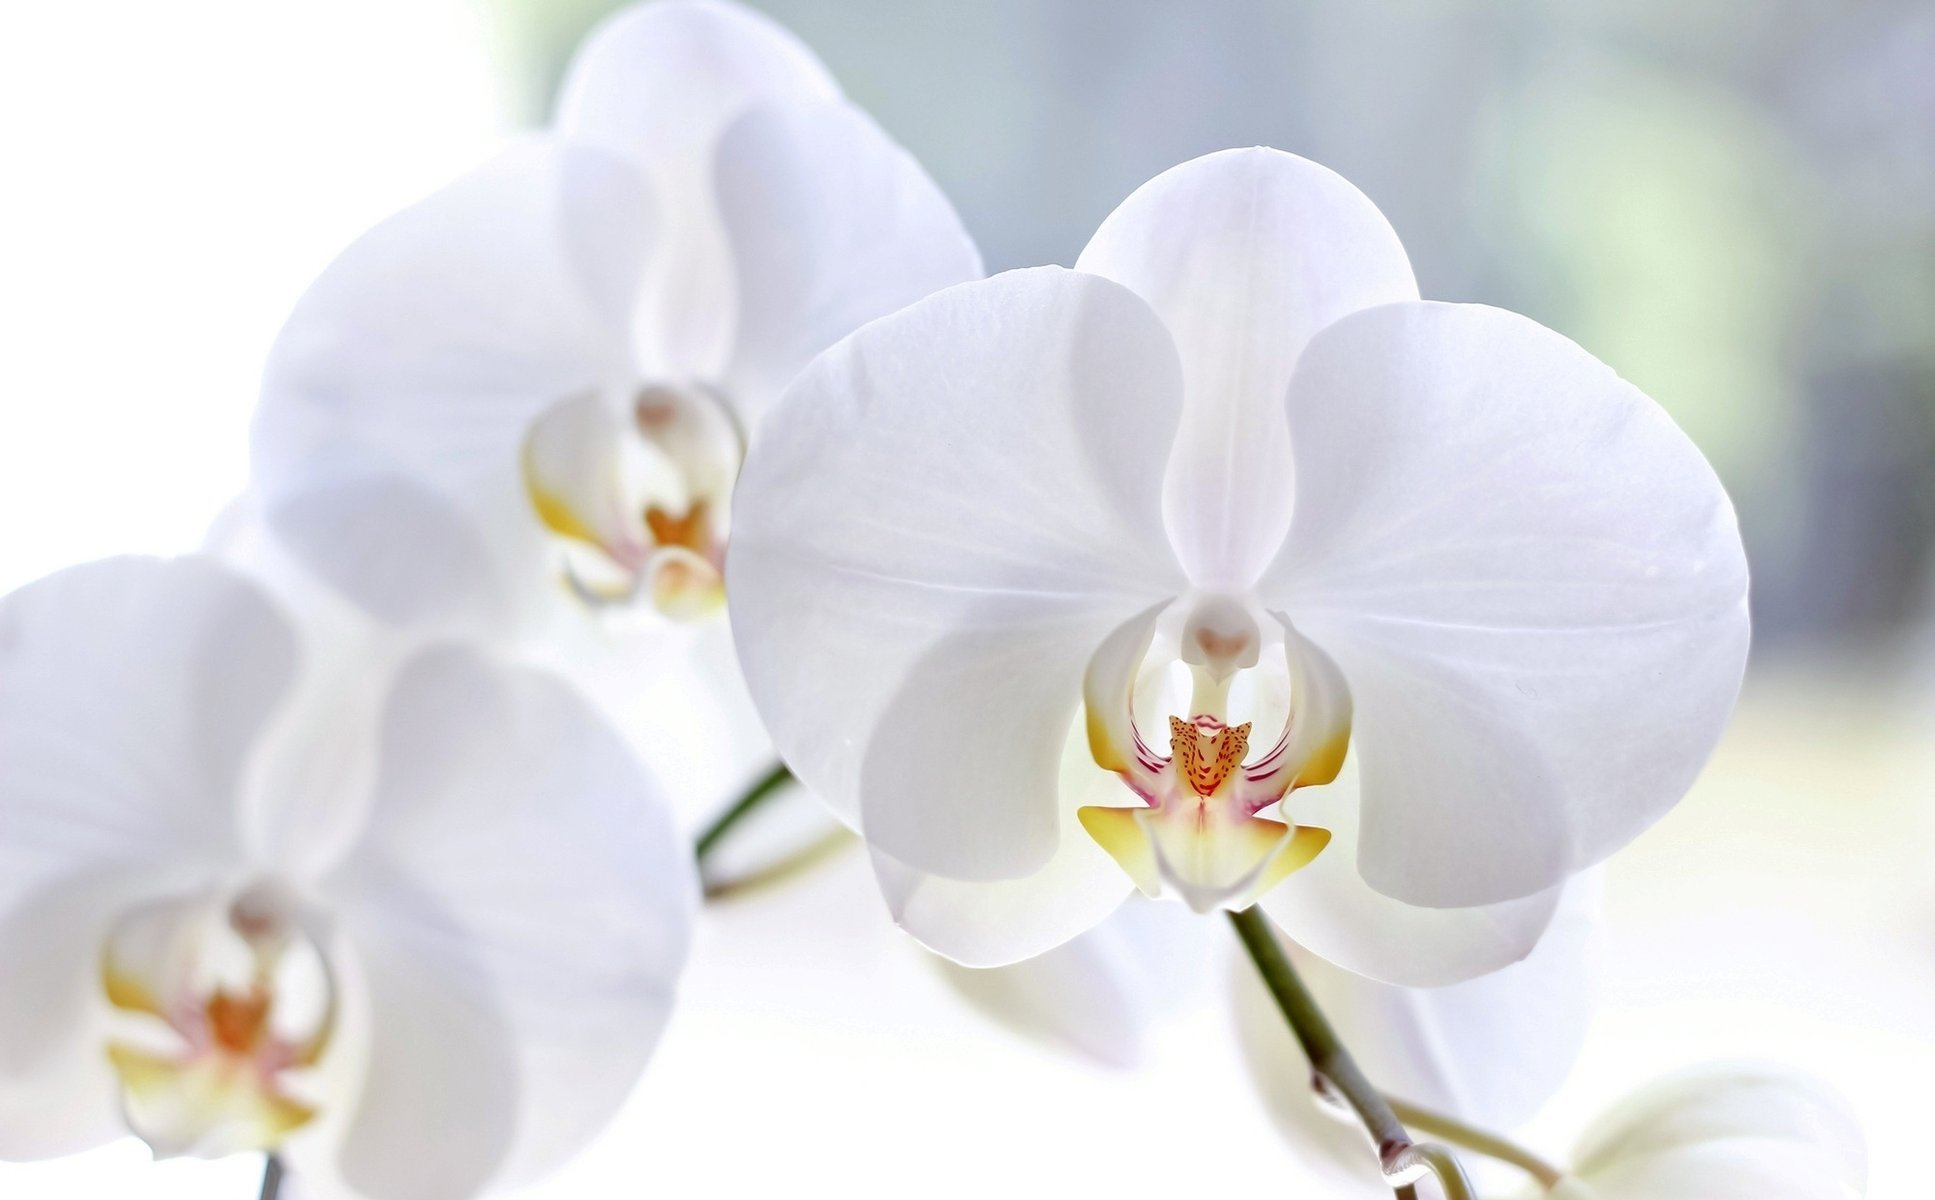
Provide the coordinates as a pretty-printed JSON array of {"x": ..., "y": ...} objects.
[{"x": 1119, "y": 831}]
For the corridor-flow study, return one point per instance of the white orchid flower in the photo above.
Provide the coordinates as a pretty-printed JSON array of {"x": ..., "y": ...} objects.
[
  {"x": 518, "y": 407},
  {"x": 1732, "y": 1131},
  {"x": 533, "y": 386},
  {"x": 424, "y": 944},
  {"x": 1488, "y": 1052},
  {"x": 1233, "y": 445}
]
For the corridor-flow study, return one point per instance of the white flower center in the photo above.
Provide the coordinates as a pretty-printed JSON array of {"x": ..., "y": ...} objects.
[
  {"x": 637, "y": 493},
  {"x": 1198, "y": 835},
  {"x": 224, "y": 1005}
]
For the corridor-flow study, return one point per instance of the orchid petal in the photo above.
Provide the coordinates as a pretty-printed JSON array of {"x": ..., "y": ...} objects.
[
  {"x": 995, "y": 924},
  {"x": 520, "y": 903},
  {"x": 1245, "y": 255},
  {"x": 1532, "y": 582},
  {"x": 831, "y": 225},
  {"x": 387, "y": 446},
  {"x": 1330, "y": 910},
  {"x": 58, "y": 1092},
  {"x": 1098, "y": 994},
  {"x": 934, "y": 529},
  {"x": 657, "y": 82},
  {"x": 1730, "y": 1131},
  {"x": 132, "y": 693},
  {"x": 658, "y": 85},
  {"x": 1490, "y": 1050}
]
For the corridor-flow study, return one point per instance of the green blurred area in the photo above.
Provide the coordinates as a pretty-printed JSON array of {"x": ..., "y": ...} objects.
[{"x": 1731, "y": 202}]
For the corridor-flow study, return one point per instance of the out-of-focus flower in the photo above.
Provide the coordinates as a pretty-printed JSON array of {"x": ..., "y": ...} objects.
[
  {"x": 1489, "y": 1051},
  {"x": 419, "y": 928},
  {"x": 520, "y": 405},
  {"x": 1235, "y": 448},
  {"x": 1101, "y": 992},
  {"x": 535, "y": 384},
  {"x": 1729, "y": 1131}
]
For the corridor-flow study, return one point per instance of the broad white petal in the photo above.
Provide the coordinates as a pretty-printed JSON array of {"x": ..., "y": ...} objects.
[
  {"x": 521, "y": 902},
  {"x": 1490, "y": 1050},
  {"x": 132, "y": 692},
  {"x": 1007, "y": 921},
  {"x": 1727, "y": 1131},
  {"x": 1245, "y": 255},
  {"x": 387, "y": 444},
  {"x": 831, "y": 224},
  {"x": 58, "y": 1093},
  {"x": 1532, "y": 582},
  {"x": 661, "y": 81},
  {"x": 1330, "y": 910},
  {"x": 658, "y": 84},
  {"x": 1100, "y": 993},
  {"x": 934, "y": 530}
]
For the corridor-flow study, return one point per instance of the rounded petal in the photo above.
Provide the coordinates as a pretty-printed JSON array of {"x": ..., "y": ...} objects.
[
  {"x": 1245, "y": 255},
  {"x": 933, "y": 532},
  {"x": 132, "y": 694},
  {"x": 1100, "y": 993},
  {"x": 397, "y": 397},
  {"x": 1489, "y": 1051},
  {"x": 1726, "y": 1131},
  {"x": 58, "y": 1093},
  {"x": 1330, "y": 910},
  {"x": 1728, "y": 1172},
  {"x": 831, "y": 225},
  {"x": 659, "y": 84},
  {"x": 995, "y": 924},
  {"x": 520, "y": 903},
  {"x": 1532, "y": 582},
  {"x": 659, "y": 81}
]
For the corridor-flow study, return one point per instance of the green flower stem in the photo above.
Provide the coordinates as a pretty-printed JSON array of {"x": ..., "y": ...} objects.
[
  {"x": 822, "y": 849},
  {"x": 754, "y": 796},
  {"x": 271, "y": 1177},
  {"x": 1333, "y": 1068},
  {"x": 1476, "y": 1140}
]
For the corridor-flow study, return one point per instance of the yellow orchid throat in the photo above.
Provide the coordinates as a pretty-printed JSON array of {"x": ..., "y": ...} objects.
[
  {"x": 224, "y": 1006},
  {"x": 637, "y": 501},
  {"x": 1197, "y": 834}
]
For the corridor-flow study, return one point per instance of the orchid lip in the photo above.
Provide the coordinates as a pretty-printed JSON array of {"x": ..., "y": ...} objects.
[
  {"x": 222, "y": 1010},
  {"x": 635, "y": 495},
  {"x": 1197, "y": 835}
]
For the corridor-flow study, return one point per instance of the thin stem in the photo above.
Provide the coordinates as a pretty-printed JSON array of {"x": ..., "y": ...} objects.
[
  {"x": 1476, "y": 1140},
  {"x": 1333, "y": 1068},
  {"x": 822, "y": 849},
  {"x": 271, "y": 1176},
  {"x": 754, "y": 796}
]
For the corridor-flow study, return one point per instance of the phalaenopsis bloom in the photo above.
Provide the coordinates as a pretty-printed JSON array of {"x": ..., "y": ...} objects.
[
  {"x": 415, "y": 925},
  {"x": 520, "y": 405},
  {"x": 1224, "y": 567}
]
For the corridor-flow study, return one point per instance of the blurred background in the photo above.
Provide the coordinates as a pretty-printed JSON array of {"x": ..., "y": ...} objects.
[{"x": 1731, "y": 202}]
